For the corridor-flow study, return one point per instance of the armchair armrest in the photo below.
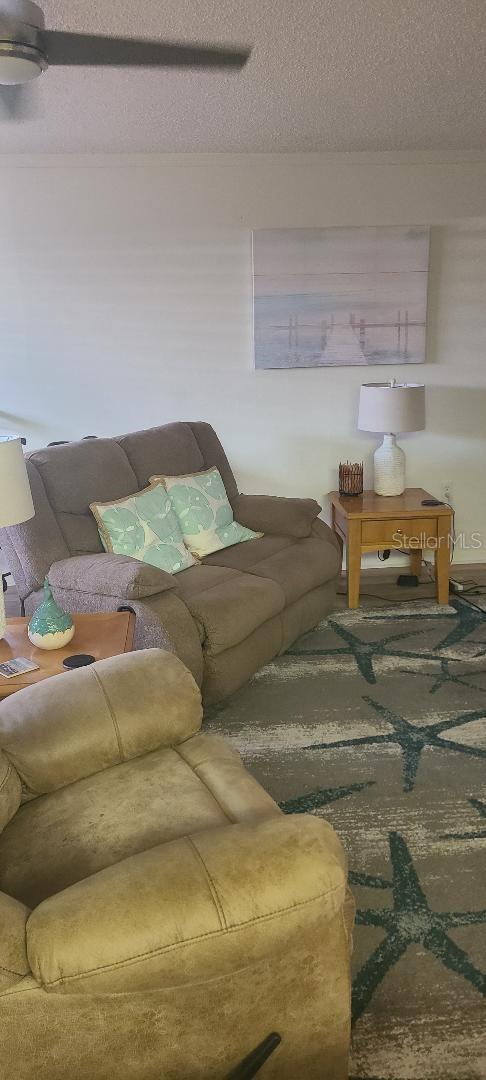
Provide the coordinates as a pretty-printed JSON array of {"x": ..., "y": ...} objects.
[
  {"x": 84, "y": 721},
  {"x": 107, "y": 574},
  {"x": 196, "y": 908},
  {"x": 272, "y": 514}
]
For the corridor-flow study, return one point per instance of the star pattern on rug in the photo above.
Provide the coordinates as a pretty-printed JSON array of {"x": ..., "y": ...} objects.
[
  {"x": 444, "y": 675},
  {"x": 313, "y": 800},
  {"x": 479, "y": 834},
  {"x": 410, "y": 921},
  {"x": 468, "y": 619},
  {"x": 411, "y": 738},
  {"x": 365, "y": 653}
]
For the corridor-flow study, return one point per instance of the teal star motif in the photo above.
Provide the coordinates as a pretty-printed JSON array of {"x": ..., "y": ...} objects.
[
  {"x": 410, "y": 921},
  {"x": 443, "y": 676},
  {"x": 479, "y": 834},
  {"x": 364, "y": 652},
  {"x": 469, "y": 619},
  {"x": 306, "y": 804},
  {"x": 411, "y": 738}
]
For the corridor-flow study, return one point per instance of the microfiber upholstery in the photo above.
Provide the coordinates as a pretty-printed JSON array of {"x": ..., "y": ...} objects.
[
  {"x": 74, "y": 475},
  {"x": 255, "y": 599},
  {"x": 103, "y": 818},
  {"x": 224, "y": 617},
  {"x": 174, "y": 444},
  {"x": 159, "y": 914},
  {"x": 297, "y": 569}
]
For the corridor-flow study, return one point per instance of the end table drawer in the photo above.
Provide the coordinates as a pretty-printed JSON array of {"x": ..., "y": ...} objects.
[{"x": 398, "y": 532}]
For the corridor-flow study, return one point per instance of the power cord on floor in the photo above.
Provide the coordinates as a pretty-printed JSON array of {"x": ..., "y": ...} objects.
[{"x": 388, "y": 599}]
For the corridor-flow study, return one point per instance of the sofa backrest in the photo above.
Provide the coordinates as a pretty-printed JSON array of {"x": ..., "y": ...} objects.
[{"x": 66, "y": 478}]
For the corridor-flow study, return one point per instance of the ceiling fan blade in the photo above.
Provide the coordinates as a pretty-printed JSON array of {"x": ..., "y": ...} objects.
[
  {"x": 17, "y": 103},
  {"x": 93, "y": 50}
]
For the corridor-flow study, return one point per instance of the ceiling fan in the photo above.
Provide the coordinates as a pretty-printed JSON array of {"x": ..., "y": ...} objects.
[{"x": 27, "y": 49}]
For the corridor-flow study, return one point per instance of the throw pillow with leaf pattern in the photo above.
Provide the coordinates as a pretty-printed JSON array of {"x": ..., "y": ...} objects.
[
  {"x": 145, "y": 527},
  {"x": 204, "y": 512}
]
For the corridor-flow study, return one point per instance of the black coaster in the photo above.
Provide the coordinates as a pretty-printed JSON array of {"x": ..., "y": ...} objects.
[{"x": 78, "y": 660}]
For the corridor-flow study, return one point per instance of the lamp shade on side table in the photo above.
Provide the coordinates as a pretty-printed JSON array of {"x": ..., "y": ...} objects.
[
  {"x": 390, "y": 408},
  {"x": 15, "y": 495}
]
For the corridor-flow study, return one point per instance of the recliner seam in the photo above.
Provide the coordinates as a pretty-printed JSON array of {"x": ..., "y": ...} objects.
[
  {"x": 10, "y": 971},
  {"x": 194, "y": 769},
  {"x": 112, "y": 714},
  {"x": 7, "y": 774},
  {"x": 190, "y": 941},
  {"x": 212, "y": 887},
  {"x": 18, "y": 989}
]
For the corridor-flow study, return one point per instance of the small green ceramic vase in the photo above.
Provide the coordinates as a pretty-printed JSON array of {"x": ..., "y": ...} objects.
[{"x": 50, "y": 627}]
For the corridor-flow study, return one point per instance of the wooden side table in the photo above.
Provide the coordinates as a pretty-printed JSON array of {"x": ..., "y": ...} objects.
[
  {"x": 101, "y": 635},
  {"x": 370, "y": 522}
]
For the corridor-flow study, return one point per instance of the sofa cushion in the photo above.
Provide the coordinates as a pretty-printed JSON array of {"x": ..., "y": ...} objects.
[
  {"x": 200, "y": 577},
  {"x": 244, "y": 556},
  {"x": 300, "y": 568},
  {"x": 78, "y": 473},
  {"x": 296, "y": 565},
  {"x": 229, "y": 611},
  {"x": 65, "y": 836},
  {"x": 213, "y": 454},
  {"x": 172, "y": 449}
]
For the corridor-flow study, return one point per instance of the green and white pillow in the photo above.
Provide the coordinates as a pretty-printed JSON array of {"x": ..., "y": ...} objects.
[
  {"x": 145, "y": 527},
  {"x": 204, "y": 512}
]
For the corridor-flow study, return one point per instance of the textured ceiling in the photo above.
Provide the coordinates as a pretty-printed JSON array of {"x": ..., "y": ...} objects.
[{"x": 335, "y": 76}]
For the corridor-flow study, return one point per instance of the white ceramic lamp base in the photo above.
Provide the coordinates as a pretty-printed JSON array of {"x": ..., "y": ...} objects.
[
  {"x": 3, "y": 620},
  {"x": 389, "y": 468}
]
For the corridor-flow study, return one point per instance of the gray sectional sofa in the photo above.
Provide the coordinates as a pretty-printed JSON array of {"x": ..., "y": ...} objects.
[{"x": 225, "y": 617}]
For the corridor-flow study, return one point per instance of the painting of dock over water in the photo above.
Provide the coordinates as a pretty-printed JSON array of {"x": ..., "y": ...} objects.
[{"x": 330, "y": 297}]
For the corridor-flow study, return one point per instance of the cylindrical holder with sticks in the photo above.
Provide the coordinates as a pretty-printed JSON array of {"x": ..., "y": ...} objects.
[{"x": 351, "y": 478}]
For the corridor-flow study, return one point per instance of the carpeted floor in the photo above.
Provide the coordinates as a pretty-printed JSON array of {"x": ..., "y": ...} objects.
[{"x": 376, "y": 721}]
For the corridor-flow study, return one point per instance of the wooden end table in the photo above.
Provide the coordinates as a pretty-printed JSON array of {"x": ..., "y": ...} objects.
[
  {"x": 370, "y": 522},
  {"x": 101, "y": 635}
]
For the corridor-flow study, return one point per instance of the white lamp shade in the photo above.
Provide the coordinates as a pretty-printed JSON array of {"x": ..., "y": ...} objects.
[
  {"x": 392, "y": 407},
  {"x": 15, "y": 495}
]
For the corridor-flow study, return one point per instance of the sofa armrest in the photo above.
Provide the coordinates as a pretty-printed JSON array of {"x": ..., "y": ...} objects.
[
  {"x": 272, "y": 514},
  {"x": 81, "y": 722},
  {"x": 196, "y": 908},
  {"x": 107, "y": 574},
  {"x": 324, "y": 532}
]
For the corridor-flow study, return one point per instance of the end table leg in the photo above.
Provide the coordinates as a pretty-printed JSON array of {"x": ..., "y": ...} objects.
[
  {"x": 442, "y": 561},
  {"x": 353, "y": 563},
  {"x": 416, "y": 561}
]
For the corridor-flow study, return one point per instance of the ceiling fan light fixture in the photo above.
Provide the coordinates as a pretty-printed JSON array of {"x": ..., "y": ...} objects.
[{"x": 20, "y": 63}]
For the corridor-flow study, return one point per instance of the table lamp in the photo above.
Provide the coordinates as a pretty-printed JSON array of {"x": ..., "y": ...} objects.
[
  {"x": 390, "y": 408},
  {"x": 15, "y": 495}
]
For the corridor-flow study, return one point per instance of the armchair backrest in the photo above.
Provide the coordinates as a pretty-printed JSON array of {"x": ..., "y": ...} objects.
[
  {"x": 66, "y": 478},
  {"x": 72, "y": 725}
]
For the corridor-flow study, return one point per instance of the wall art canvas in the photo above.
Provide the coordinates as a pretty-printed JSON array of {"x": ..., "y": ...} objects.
[{"x": 332, "y": 297}]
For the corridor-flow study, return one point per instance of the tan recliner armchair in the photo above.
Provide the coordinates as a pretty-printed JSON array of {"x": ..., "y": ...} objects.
[{"x": 159, "y": 916}]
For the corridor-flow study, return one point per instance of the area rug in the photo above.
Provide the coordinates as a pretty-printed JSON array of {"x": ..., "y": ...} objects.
[{"x": 376, "y": 721}]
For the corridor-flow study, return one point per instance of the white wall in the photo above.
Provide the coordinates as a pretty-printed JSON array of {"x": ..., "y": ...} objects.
[{"x": 125, "y": 301}]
